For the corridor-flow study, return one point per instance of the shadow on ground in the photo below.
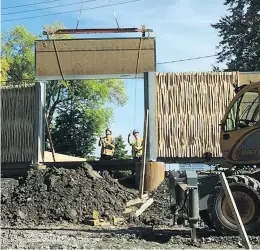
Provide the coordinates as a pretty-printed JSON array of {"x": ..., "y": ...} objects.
[{"x": 142, "y": 233}]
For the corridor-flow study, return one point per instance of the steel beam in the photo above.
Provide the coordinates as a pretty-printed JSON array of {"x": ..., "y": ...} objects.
[
  {"x": 95, "y": 31},
  {"x": 90, "y": 77},
  {"x": 150, "y": 104},
  {"x": 39, "y": 129},
  {"x": 179, "y": 160}
]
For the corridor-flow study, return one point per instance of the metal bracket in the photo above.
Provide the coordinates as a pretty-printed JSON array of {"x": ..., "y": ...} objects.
[
  {"x": 143, "y": 30},
  {"x": 192, "y": 179}
]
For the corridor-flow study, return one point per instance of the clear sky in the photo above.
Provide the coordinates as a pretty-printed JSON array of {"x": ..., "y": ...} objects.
[{"x": 181, "y": 27}]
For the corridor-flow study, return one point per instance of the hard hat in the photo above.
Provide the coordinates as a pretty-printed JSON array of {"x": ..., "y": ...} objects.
[{"x": 135, "y": 131}]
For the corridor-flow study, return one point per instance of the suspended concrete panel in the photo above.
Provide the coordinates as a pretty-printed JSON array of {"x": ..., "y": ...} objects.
[
  {"x": 94, "y": 58},
  {"x": 190, "y": 107}
]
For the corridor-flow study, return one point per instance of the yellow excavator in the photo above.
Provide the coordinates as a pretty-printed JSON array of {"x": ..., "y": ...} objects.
[
  {"x": 240, "y": 146},
  {"x": 240, "y": 128}
]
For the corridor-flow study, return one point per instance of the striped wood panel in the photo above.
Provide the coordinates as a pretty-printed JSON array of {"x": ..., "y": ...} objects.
[
  {"x": 190, "y": 107},
  {"x": 17, "y": 123}
]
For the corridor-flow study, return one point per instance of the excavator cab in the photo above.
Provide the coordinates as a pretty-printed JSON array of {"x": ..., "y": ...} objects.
[{"x": 240, "y": 127}]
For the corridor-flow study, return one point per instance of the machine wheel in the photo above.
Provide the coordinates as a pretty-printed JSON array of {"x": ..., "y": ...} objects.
[
  {"x": 204, "y": 215},
  {"x": 246, "y": 193}
]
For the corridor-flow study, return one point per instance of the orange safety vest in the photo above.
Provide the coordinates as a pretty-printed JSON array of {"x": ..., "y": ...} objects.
[{"x": 107, "y": 149}]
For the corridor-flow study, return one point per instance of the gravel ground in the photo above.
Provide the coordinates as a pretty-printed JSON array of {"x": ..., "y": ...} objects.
[
  {"x": 152, "y": 231},
  {"x": 115, "y": 238}
]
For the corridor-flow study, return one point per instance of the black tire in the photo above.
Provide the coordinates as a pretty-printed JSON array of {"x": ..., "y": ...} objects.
[
  {"x": 204, "y": 215},
  {"x": 220, "y": 215}
]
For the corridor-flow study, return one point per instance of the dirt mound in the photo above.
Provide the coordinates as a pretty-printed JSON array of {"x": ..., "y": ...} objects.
[
  {"x": 159, "y": 213},
  {"x": 7, "y": 187},
  {"x": 54, "y": 195}
]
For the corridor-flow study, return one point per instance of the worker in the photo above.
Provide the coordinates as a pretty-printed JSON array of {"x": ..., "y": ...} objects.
[
  {"x": 137, "y": 145},
  {"x": 107, "y": 144}
]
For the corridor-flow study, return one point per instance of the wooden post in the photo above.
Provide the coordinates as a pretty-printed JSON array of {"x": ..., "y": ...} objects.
[
  {"x": 49, "y": 137},
  {"x": 234, "y": 210},
  {"x": 142, "y": 170}
]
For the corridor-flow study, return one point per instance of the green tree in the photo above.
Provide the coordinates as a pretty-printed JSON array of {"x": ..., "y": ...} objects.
[
  {"x": 18, "y": 53},
  {"x": 75, "y": 132},
  {"x": 4, "y": 69},
  {"x": 120, "y": 149},
  {"x": 77, "y": 109},
  {"x": 240, "y": 34},
  {"x": 216, "y": 68}
]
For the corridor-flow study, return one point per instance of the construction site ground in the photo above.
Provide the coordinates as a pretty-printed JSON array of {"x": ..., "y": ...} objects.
[
  {"x": 50, "y": 209},
  {"x": 87, "y": 237}
]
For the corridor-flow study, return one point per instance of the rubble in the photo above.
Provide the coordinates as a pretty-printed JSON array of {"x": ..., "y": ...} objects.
[
  {"x": 7, "y": 187},
  {"x": 159, "y": 213},
  {"x": 58, "y": 194}
]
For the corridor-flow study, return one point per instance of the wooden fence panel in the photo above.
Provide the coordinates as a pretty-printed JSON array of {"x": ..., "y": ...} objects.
[
  {"x": 17, "y": 123},
  {"x": 190, "y": 107}
]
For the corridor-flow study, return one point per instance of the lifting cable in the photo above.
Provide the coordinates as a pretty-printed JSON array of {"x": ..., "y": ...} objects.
[
  {"x": 135, "y": 104},
  {"x": 57, "y": 56},
  {"x": 80, "y": 13},
  {"x": 58, "y": 60},
  {"x": 136, "y": 72},
  {"x": 116, "y": 19}
]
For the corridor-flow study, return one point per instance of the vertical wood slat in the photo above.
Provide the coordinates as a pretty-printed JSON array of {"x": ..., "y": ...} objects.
[
  {"x": 17, "y": 123},
  {"x": 190, "y": 107}
]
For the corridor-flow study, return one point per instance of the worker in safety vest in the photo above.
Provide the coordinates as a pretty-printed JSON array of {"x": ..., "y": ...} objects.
[
  {"x": 137, "y": 145},
  {"x": 107, "y": 144}
]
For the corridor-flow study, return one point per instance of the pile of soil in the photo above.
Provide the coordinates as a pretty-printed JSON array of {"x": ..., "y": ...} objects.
[
  {"x": 57, "y": 195},
  {"x": 159, "y": 213},
  {"x": 7, "y": 188}
]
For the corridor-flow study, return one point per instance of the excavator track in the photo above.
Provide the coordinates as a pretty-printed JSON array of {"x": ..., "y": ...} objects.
[{"x": 246, "y": 192}]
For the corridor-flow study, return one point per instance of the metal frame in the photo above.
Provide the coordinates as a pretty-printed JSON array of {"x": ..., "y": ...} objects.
[
  {"x": 91, "y": 77},
  {"x": 150, "y": 104},
  {"x": 215, "y": 160},
  {"x": 249, "y": 73},
  {"x": 143, "y": 30},
  {"x": 39, "y": 129}
]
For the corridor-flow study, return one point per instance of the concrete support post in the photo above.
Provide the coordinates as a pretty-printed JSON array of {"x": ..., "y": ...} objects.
[
  {"x": 150, "y": 104},
  {"x": 39, "y": 126}
]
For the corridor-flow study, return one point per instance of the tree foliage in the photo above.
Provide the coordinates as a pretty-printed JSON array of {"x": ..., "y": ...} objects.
[
  {"x": 120, "y": 149},
  {"x": 240, "y": 34},
  {"x": 75, "y": 132},
  {"x": 18, "y": 54},
  {"x": 4, "y": 69},
  {"x": 77, "y": 110}
]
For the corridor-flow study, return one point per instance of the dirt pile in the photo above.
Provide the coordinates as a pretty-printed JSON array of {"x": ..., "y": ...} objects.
[
  {"x": 57, "y": 195},
  {"x": 159, "y": 213},
  {"x": 7, "y": 188}
]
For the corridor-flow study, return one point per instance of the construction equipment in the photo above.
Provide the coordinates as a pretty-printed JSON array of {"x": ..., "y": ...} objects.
[{"x": 240, "y": 146}]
